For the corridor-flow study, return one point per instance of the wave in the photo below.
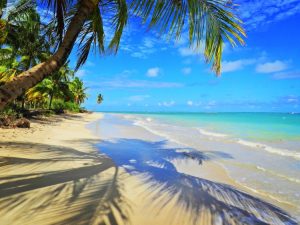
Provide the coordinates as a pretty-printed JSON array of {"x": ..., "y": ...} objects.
[
  {"x": 213, "y": 134},
  {"x": 141, "y": 123},
  {"x": 267, "y": 148},
  {"x": 148, "y": 123},
  {"x": 273, "y": 173},
  {"x": 266, "y": 194}
]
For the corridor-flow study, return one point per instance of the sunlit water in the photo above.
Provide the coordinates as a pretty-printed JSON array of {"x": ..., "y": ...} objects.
[{"x": 264, "y": 148}]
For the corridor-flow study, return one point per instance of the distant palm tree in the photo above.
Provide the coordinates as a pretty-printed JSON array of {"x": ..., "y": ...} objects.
[
  {"x": 209, "y": 22},
  {"x": 99, "y": 99}
]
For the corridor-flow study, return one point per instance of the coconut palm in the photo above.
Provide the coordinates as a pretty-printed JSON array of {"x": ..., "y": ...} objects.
[
  {"x": 209, "y": 22},
  {"x": 26, "y": 37},
  {"x": 99, "y": 99},
  {"x": 25, "y": 46},
  {"x": 78, "y": 90}
]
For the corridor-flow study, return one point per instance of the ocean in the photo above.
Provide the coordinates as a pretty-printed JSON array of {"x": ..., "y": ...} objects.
[{"x": 260, "y": 151}]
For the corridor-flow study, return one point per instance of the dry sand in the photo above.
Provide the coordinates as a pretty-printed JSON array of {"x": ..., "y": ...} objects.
[{"x": 53, "y": 173}]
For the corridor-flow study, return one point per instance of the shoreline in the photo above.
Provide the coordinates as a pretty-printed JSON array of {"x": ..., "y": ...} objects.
[
  {"x": 58, "y": 164},
  {"x": 212, "y": 170},
  {"x": 128, "y": 134},
  {"x": 188, "y": 136}
]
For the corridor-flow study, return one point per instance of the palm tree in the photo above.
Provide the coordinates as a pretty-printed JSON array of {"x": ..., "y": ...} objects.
[
  {"x": 59, "y": 85},
  {"x": 99, "y": 99},
  {"x": 56, "y": 86},
  {"x": 26, "y": 45},
  {"x": 78, "y": 91},
  {"x": 208, "y": 21}
]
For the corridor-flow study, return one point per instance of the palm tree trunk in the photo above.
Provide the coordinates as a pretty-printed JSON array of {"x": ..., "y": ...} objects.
[
  {"x": 23, "y": 102},
  {"x": 11, "y": 90},
  {"x": 50, "y": 101}
]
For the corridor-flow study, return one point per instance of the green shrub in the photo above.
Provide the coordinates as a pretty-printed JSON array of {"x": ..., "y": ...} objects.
[{"x": 58, "y": 105}]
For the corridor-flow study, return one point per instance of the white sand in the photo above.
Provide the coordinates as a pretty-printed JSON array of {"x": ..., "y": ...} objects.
[{"x": 53, "y": 173}]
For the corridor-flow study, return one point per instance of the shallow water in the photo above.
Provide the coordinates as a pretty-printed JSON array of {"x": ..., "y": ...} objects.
[{"x": 264, "y": 148}]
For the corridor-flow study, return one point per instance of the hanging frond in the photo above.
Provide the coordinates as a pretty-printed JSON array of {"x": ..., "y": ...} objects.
[
  {"x": 119, "y": 21},
  {"x": 60, "y": 9},
  {"x": 92, "y": 36},
  {"x": 209, "y": 23},
  {"x": 84, "y": 51}
]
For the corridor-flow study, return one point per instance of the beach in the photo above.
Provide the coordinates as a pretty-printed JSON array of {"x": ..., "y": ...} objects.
[{"x": 108, "y": 169}]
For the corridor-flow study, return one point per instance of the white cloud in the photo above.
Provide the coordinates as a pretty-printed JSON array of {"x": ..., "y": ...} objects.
[
  {"x": 189, "y": 103},
  {"x": 138, "y": 98},
  {"x": 183, "y": 51},
  {"x": 288, "y": 75},
  {"x": 256, "y": 12},
  {"x": 212, "y": 103},
  {"x": 148, "y": 42},
  {"x": 81, "y": 73},
  {"x": 153, "y": 72},
  {"x": 167, "y": 104},
  {"x": 89, "y": 63},
  {"x": 141, "y": 48},
  {"x": 186, "y": 70},
  {"x": 129, "y": 83},
  {"x": 138, "y": 55},
  {"x": 230, "y": 66},
  {"x": 271, "y": 67},
  {"x": 292, "y": 100}
]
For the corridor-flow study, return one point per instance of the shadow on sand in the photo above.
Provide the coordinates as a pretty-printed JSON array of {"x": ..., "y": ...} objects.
[
  {"x": 221, "y": 203},
  {"x": 46, "y": 187}
]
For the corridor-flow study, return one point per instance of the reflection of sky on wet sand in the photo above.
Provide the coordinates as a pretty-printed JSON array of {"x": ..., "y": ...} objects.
[{"x": 202, "y": 201}]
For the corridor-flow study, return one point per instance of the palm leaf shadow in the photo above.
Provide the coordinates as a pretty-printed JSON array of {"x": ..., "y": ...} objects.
[
  {"x": 224, "y": 203},
  {"x": 89, "y": 194}
]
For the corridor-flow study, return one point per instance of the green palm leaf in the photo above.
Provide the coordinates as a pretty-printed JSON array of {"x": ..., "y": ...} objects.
[{"x": 209, "y": 22}]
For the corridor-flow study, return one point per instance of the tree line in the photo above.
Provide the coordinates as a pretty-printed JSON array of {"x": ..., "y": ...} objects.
[{"x": 27, "y": 43}]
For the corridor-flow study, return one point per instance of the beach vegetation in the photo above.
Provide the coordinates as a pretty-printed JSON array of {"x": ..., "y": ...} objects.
[
  {"x": 27, "y": 44},
  {"x": 82, "y": 23}
]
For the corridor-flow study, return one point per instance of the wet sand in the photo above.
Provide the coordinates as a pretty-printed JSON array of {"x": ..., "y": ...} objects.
[{"x": 54, "y": 173}]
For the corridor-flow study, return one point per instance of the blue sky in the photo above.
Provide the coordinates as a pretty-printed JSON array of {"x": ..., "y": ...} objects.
[{"x": 151, "y": 74}]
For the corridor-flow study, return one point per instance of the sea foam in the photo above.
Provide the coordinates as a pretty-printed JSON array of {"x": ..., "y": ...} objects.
[
  {"x": 267, "y": 148},
  {"x": 213, "y": 134}
]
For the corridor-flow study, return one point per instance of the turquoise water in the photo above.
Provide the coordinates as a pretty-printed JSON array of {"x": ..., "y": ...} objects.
[
  {"x": 254, "y": 126},
  {"x": 263, "y": 149}
]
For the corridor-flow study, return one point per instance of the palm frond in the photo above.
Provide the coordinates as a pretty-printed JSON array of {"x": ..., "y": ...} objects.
[
  {"x": 91, "y": 36},
  {"x": 20, "y": 8},
  {"x": 60, "y": 9},
  {"x": 209, "y": 23},
  {"x": 84, "y": 49},
  {"x": 119, "y": 21}
]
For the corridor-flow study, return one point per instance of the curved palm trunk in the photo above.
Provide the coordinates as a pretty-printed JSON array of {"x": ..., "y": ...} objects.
[{"x": 11, "y": 90}]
